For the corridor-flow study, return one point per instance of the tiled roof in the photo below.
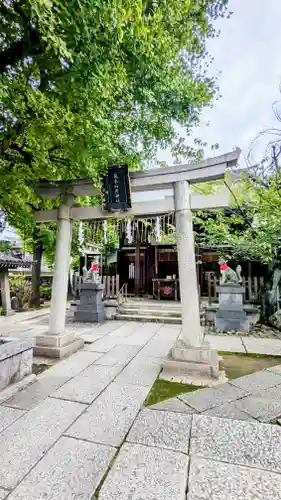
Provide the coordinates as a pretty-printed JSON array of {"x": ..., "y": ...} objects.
[{"x": 8, "y": 260}]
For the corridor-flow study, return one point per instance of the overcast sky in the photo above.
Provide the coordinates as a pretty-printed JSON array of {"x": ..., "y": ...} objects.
[{"x": 248, "y": 55}]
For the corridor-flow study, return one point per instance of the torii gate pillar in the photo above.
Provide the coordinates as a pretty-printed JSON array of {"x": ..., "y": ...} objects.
[
  {"x": 56, "y": 343},
  {"x": 191, "y": 360},
  {"x": 192, "y": 331}
]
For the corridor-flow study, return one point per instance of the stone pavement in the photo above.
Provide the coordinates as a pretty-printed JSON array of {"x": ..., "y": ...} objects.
[
  {"x": 79, "y": 430},
  {"x": 32, "y": 323}
]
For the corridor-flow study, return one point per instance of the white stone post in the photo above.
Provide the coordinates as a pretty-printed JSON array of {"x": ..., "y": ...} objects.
[
  {"x": 56, "y": 343},
  {"x": 5, "y": 292},
  {"x": 191, "y": 360},
  {"x": 61, "y": 271},
  {"x": 192, "y": 330}
]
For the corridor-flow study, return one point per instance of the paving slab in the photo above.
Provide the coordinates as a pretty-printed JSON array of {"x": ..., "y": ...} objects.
[
  {"x": 127, "y": 329},
  {"x": 142, "y": 335},
  {"x": 51, "y": 379},
  {"x": 162, "y": 429},
  {"x": 13, "y": 389},
  {"x": 119, "y": 355},
  {"x": 84, "y": 388},
  {"x": 145, "y": 473},
  {"x": 73, "y": 365},
  {"x": 71, "y": 469},
  {"x": 263, "y": 407},
  {"x": 263, "y": 346},
  {"x": 141, "y": 371},
  {"x": 205, "y": 399},
  {"x": 109, "y": 326},
  {"x": 272, "y": 392},
  {"x": 275, "y": 369},
  {"x": 168, "y": 332},
  {"x": 226, "y": 343},
  {"x": 102, "y": 345},
  {"x": 257, "y": 382},
  {"x": 89, "y": 338},
  {"x": 8, "y": 416},
  {"x": 27, "y": 440},
  {"x": 3, "y": 494},
  {"x": 210, "y": 480},
  {"x": 229, "y": 410},
  {"x": 111, "y": 415},
  {"x": 101, "y": 329},
  {"x": 157, "y": 349},
  {"x": 80, "y": 331},
  {"x": 237, "y": 442},
  {"x": 162, "y": 342},
  {"x": 29, "y": 397},
  {"x": 173, "y": 404}
]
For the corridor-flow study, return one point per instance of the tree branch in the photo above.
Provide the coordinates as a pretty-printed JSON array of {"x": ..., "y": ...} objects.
[
  {"x": 64, "y": 161},
  {"x": 26, "y": 155},
  {"x": 11, "y": 136},
  {"x": 242, "y": 212}
]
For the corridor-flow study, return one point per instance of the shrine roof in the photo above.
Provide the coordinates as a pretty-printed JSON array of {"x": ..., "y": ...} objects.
[{"x": 9, "y": 261}]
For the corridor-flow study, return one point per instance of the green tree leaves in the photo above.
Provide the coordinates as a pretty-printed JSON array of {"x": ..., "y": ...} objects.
[{"x": 86, "y": 83}]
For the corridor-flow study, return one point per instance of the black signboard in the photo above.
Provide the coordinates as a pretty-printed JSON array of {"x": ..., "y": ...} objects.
[{"x": 116, "y": 188}]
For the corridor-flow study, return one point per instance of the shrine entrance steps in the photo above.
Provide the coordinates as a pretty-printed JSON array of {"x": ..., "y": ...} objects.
[{"x": 149, "y": 310}]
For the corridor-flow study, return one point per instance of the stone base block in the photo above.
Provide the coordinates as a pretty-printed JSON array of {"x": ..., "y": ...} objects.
[
  {"x": 57, "y": 350},
  {"x": 55, "y": 340},
  {"x": 88, "y": 316},
  {"x": 110, "y": 308},
  {"x": 91, "y": 306},
  {"x": 193, "y": 365},
  {"x": 16, "y": 356},
  {"x": 184, "y": 375},
  {"x": 202, "y": 354},
  {"x": 232, "y": 320}
]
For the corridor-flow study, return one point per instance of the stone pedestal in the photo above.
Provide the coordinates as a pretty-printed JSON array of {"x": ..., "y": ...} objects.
[
  {"x": 230, "y": 315},
  {"x": 57, "y": 346},
  {"x": 91, "y": 306},
  {"x": 193, "y": 365}
]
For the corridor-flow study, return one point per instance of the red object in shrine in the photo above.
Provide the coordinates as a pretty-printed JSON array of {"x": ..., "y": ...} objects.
[
  {"x": 167, "y": 290},
  {"x": 223, "y": 267},
  {"x": 95, "y": 268}
]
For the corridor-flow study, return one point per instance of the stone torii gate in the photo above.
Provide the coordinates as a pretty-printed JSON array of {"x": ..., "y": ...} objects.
[{"x": 56, "y": 342}]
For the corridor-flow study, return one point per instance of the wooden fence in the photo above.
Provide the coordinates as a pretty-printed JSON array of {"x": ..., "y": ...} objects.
[
  {"x": 111, "y": 286},
  {"x": 253, "y": 286}
]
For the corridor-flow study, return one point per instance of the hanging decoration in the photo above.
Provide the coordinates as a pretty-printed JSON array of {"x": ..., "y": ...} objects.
[
  {"x": 81, "y": 236},
  {"x": 129, "y": 234},
  {"x": 158, "y": 230},
  {"x": 105, "y": 232}
]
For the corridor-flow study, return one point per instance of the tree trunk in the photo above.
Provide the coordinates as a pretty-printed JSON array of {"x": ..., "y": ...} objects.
[
  {"x": 270, "y": 295},
  {"x": 36, "y": 273}
]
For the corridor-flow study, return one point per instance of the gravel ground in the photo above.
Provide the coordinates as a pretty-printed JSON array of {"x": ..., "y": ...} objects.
[{"x": 258, "y": 331}]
